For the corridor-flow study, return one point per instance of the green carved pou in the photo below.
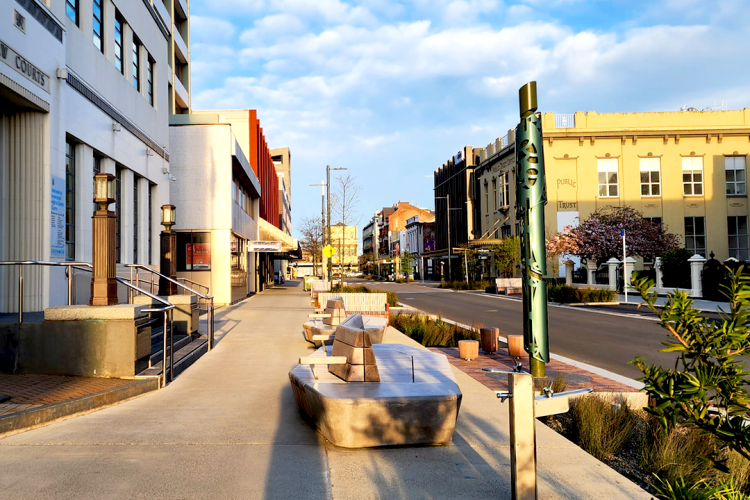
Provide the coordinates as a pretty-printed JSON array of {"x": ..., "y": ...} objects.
[{"x": 531, "y": 196}]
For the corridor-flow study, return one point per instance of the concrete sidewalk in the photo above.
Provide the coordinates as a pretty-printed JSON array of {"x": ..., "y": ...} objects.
[
  {"x": 229, "y": 428},
  {"x": 702, "y": 305}
]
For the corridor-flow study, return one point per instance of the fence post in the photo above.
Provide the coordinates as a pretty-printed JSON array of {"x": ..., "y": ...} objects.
[
  {"x": 696, "y": 282},
  {"x": 568, "y": 271},
  {"x": 657, "y": 267},
  {"x": 612, "y": 272},
  {"x": 590, "y": 270}
]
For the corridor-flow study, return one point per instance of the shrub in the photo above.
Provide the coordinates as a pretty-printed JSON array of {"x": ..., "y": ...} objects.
[
  {"x": 559, "y": 382},
  {"x": 391, "y": 296},
  {"x": 676, "y": 268},
  {"x": 429, "y": 332},
  {"x": 601, "y": 424},
  {"x": 565, "y": 294},
  {"x": 462, "y": 285}
]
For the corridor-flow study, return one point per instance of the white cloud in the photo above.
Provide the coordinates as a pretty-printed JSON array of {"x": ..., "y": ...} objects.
[{"x": 210, "y": 29}]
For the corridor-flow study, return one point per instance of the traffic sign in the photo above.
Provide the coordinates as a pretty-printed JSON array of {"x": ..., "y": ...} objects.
[{"x": 328, "y": 251}]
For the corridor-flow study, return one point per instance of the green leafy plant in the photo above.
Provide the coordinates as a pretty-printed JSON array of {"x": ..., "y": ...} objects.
[
  {"x": 675, "y": 268},
  {"x": 707, "y": 388},
  {"x": 565, "y": 294}
]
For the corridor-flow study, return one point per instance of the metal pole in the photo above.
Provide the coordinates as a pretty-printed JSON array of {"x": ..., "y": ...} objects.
[
  {"x": 624, "y": 267},
  {"x": 20, "y": 294},
  {"x": 466, "y": 267},
  {"x": 328, "y": 199},
  {"x": 450, "y": 270},
  {"x": 70, "y": 285},
  {"x": 164, "y": 353},
  {"x": 322, "y": 225},
  {"x": 171, "y": 345},
  {"x": 130, "y": 290}
]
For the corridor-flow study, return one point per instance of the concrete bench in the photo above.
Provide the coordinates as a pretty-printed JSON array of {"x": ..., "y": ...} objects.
[
  {"x": 415, "y": 401},
  {"x": 325, "y": 323},
  {"x": 509, "y": 285}
]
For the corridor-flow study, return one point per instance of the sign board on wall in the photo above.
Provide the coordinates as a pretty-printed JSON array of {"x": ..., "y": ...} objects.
[
  {"x": 198, "y": 256},
  {"x": 57, "y": 219},
  {"x": 264, "y": 246}
]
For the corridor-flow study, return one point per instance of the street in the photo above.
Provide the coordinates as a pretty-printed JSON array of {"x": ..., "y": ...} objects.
[{"x": 604, "y": 339}]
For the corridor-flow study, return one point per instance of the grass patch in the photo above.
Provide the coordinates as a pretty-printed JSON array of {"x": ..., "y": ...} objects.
[
  {"x": 602, "y": 424},
  {"x": 392, "y": 297},
  {"x": 565, "y": 294},
  {"x": 431, "y": 332},
  {"x": 462, "y": 285},
  {"x": 559, "y": 382}
]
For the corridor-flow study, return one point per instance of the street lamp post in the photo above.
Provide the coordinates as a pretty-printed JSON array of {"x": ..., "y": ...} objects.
[
  {"x": 104, "y": 279},
  {"x": 168, "y": 261},
  {"x": 322, "y": 220},
  {"x": 328, "y": 196}
]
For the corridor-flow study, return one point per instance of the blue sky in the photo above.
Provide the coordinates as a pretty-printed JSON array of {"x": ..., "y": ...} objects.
[{"x": 392, "y": 89}]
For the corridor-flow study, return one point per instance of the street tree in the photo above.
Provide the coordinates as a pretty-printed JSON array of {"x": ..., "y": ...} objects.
[
  {"x": 507, "y": 255},
  {"x": 311, "y": 230},
  {"x": 345, "y": 205},
  {"x": 598, "y": 237},
  {"x": 407, "y": 263}
]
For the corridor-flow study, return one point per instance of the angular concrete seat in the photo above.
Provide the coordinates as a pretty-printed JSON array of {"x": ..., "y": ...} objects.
[
  {"x": 416, "y": 400},
  {"x": 333, "y": 315}
]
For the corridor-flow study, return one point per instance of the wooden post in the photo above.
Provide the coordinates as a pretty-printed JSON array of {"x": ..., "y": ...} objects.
[{"x": 522, "y": 437}]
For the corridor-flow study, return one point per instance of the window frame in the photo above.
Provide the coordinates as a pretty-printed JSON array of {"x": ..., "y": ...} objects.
[
  {"x": 738, "y": 251},
  {"x": 70, "y": 200},
  {"x": 98, "y": 37},
  {"x": 150, "y": 81},
  {"x": 72, "y": 6},
  {"x": 734, "y": 160},
  {"x": 649, "y": 166},
  {"x": 694, "y": 247},
  {"x": 119, "y": 39},
  {"x": 604, "y": 165},
  {"x": 688, "y": 165},
  {"x": 136, "y": 63}
]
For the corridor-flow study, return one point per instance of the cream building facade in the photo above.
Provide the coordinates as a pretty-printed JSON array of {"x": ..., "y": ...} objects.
[
  {"x": 84, "y": 88},
  {"x": 344, "y": 241},
  {"x": 685, "y": 169}
]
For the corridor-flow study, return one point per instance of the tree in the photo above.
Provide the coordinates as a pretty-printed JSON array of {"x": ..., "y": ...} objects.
[
  {"x": 345, "y": 202},
  {"x": 558, "y": 246},
  {"x": 507, "y": 256},
  {"x": 311, "y": 242},
  {"x": 407, "y": 263},
  {"x": 598, "y": 237},
  {"x": 707, "y": 388}
]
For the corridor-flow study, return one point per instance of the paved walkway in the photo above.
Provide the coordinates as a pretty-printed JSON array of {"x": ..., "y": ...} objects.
[{"x": 228, "y": 428}]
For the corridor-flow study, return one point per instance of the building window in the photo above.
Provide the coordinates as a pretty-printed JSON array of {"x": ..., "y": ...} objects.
[
  {"x": 97, "y": 28},
  {"x": 738, "y": 241},
  {"x": 607, "y": 168},
  {"x": 136, "y": 178},
  {"x": 494, "y": 195},
  {"x": 118, "y": 214},
  {"x": 505, "y": 231},
  {"x": 654, "y": 220},
  {"x": 118, "y": 43},
  {"x": 70, "y": 200},
  {"x": 735, "y": 171},
  {"x": 136, "y": 64},
  {"x": 692, "y": 175},
  {"x": 193, "y": 251},
  {"x": 235, "y": 191},
  {"x": 650, "y": 177},
  {"x": 71, "y": 8},
  {"x": 487, "y": 197},
  {"x": 695, "y": 235},
  {"x": 150, "y": 81}
]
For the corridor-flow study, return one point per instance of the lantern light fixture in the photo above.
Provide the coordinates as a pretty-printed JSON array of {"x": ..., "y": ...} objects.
[
  {"x": 104, "y": 190},
  {"x": 168, "y": 216}
]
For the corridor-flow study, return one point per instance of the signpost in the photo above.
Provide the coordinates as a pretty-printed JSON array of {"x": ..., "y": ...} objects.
[{"x": 624, "y": 266}]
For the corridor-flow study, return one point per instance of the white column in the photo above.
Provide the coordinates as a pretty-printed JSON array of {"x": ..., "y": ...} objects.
[
  {"x": 612, "y": 272},
  {"x": 568, "y": 271},
  {"x": 126, "y": 213},
  {"x": 590, "y": 270},
  {"x": 143, "y": 189},
  {"x": 629, "y": 270},
  {"x": 657, "y": 267},
  {"x": 696, "y": 267}
]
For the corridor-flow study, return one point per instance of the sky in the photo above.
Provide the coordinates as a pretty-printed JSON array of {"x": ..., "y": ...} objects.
[{"x": 391, "y": 90}]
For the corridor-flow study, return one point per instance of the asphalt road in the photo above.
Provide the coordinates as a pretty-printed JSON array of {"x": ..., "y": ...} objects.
[{"x": 607, "y": 339}]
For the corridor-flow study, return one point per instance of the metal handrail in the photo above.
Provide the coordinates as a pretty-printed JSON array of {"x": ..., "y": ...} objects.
[
  {"x": 208, "y": 290},
  {"x": 208, "y": 298},
  {"x": 85, "y": 266}
]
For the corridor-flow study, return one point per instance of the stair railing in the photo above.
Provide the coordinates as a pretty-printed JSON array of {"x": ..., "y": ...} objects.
[{"x": 134, "y": 277}]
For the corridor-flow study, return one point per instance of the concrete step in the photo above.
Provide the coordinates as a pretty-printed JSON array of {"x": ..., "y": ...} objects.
[
  {"x": 183, "y": 357},
  {"x": 156, "y": 349}
]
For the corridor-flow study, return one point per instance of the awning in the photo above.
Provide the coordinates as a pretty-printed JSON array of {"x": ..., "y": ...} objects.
[{"x": 269, "y": 232}]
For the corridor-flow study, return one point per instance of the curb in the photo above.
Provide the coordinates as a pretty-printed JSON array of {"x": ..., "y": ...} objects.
[
  {"x": 578, "y": 364},
  {"x": 36, "y": 417}
]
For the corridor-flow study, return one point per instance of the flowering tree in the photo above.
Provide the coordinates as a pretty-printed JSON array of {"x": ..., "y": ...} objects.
[
  {"x": 560, "y": 245},
  {"x": 598, "y": 237}
]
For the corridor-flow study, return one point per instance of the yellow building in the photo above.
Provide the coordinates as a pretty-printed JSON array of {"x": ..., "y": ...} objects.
[
  {"x": 686, "y": 169},
  {"x": 344, "y": 241}
]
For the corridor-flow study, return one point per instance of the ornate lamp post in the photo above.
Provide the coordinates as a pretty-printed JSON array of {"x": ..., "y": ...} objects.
[
  {"x": 168, "y": 261},
  {"x": 104, "y": 283},
  {"x": 531, "y": 196}
]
